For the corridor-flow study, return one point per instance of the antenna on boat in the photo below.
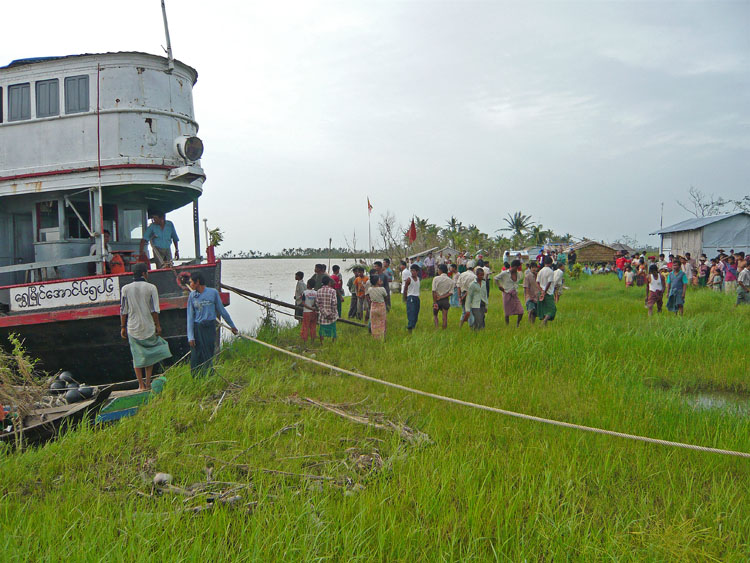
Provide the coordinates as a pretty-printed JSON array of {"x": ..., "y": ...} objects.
[{"x": 170, "y": 58}]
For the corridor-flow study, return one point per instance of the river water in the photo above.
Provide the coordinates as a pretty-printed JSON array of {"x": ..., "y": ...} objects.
[{"x": 267, "y": 276}]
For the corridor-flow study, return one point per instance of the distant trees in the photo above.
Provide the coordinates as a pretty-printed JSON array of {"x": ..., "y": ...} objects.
[{"x": 456, "y": 234}]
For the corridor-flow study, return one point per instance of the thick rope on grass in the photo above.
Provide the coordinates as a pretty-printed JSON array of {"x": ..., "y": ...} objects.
[{"x": 499, "y": 411}]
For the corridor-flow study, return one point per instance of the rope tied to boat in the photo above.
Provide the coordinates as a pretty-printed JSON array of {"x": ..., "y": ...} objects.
[{"x": 497, "y": 410}]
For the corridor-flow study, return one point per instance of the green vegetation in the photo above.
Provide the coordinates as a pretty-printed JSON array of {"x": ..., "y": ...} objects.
[{"x": 479, "y": 486}]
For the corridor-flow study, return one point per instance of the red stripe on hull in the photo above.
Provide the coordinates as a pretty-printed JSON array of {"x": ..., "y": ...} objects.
[
  {"x": 101, "y": 311},
  {"x": 85, "y": 169},
  {"x": 50, "y": 282}
]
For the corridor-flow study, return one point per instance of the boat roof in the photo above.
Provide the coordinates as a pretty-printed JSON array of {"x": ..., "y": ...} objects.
[
  {"x": 35, "y": 60},
  {"x": 697, "y": 223}
]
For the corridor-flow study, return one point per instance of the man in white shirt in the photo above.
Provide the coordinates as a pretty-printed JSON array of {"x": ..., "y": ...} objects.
[
  {"x": 558, "y": 277},
  {"x": 465, "y": 279},
  {"x": 546, "y": 280},
  {"x": 743, "y": 286},
  {"x": 442, "y": 289},
  {"x": 139, "y": 324},
  {"x": 429, "y": 264}
]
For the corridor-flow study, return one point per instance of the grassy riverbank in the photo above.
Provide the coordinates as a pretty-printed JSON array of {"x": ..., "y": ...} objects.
[{"x": 431, "y": 481}]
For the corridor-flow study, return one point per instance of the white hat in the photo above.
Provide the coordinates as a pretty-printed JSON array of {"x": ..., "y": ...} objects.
[{"x": 470, "y": 264}]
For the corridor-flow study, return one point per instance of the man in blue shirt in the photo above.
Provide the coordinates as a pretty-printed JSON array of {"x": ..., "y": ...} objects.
[
  {"x": 203, "y": 308},
  {"x": 161, "y": 234}
]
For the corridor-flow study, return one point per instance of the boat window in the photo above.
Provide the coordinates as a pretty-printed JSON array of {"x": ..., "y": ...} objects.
[
  {"x": 76, "y": 229},
  {"x": 19, "y": 102},
  {"x": 48, "y": 221},
  {"x": 132, "y": 224},
  {"x": 47, "y": 98},
  {"x": 76, "y": 94}
]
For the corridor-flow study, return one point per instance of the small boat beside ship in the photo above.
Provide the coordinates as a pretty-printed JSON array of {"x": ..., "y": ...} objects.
[
  {"x": 90, "y": 143},
  {"x": 43, "y": 424}
]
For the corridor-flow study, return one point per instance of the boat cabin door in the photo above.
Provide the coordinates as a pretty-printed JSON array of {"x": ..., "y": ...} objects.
[{"x": 23, "y": 242}]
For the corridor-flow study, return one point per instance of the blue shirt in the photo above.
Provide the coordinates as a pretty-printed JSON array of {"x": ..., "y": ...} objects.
[
  {"x": 206, "y": 306},
  {"x": 161, "y": 238}
]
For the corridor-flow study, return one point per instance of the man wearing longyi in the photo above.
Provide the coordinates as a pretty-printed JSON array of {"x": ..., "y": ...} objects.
[
  {"x": 203, "y": 308},
  {"x": 139, "y": 323}
]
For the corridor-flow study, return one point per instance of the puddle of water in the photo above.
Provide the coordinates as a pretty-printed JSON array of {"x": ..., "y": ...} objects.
[{"x": 727, "y": 403}]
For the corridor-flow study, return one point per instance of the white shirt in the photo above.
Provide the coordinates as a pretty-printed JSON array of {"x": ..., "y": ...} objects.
[
  {"x": 504, "y": 280},
  {"x": 442, "y": 284},
  {"x": 465, "y": 279},
  {"x": 655, "y": 284},
  {"x": 544, "y": 277},
  {"x": 413, "y": 289},
  {"x": 138, "y": 300},
  {"x": 558, "y": 277},
  {"x": 309, "y": 296}
]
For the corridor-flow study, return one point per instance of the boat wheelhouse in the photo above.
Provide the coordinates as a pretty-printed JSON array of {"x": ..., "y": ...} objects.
[{"x": 90, "y": 143}]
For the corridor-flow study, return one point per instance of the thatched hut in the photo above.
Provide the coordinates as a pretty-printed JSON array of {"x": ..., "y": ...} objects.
[{"x": 592, "y": 252}]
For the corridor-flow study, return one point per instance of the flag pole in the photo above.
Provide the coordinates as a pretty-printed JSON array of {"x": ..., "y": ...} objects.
[{"x": 369, "y": 227}]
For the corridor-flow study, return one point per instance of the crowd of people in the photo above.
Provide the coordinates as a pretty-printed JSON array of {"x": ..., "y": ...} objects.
[
  {"x": 671, "y": 276},
  {"x": 464, "y": 284}
]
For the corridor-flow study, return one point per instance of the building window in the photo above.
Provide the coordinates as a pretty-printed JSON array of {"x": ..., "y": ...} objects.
[
  {"x": 132, "y": 224},
  {"x": 76, "y": 94},
  {"x": 47, "y": 98},
  {"x": 19, "y": 102},
  {"x": 1, "y": 105},
  {"x": 47, "y": 221}
]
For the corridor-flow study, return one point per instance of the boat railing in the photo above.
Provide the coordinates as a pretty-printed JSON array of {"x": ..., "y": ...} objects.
[{"x": 48, "y": 264}]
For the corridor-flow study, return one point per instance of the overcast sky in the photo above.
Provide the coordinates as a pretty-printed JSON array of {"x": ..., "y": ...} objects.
[{"x": 586, "y": 115}]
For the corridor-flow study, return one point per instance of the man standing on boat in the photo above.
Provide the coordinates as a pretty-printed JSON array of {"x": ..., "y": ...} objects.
[
  {"x": 203, "y": 308},
  {"x": 139, "y": 323},
  {"x": 161, "y": 234}
]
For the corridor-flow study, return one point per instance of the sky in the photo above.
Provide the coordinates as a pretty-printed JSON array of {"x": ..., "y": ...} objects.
[{"x": 584, "y": 115}]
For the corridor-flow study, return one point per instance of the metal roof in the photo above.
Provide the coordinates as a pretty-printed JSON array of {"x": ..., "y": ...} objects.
[
  {"x": 697, "y": 223},
  {"x": 36, "y": 60}
]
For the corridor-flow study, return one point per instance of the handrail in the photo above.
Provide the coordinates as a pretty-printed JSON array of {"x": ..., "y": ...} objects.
[{"x": 48, "y": 264}]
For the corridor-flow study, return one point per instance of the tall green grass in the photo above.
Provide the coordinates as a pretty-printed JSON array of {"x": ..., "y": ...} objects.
[{"x": 487, "y": 487}]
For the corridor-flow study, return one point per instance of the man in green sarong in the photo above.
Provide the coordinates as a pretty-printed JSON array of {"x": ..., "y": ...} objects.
[
  {"x": 139, "y": 323},
  {"x": 546, "y": 310}
]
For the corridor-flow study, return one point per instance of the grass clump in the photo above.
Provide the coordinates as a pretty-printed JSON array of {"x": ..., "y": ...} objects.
[{"x": 326, "y": 466}]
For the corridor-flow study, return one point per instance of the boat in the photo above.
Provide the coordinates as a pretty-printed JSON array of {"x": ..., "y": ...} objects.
[
  {"x": 125, "y": 403},
  {"x": 93, "y": 143},
  {"x": 44, "y": 424}
]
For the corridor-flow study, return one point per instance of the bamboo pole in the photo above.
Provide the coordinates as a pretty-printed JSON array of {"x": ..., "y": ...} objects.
[{"x": 260, "y": 297}]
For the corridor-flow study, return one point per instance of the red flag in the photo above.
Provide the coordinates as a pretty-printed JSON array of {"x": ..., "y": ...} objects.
[
  {"x": 369, "y": 206},
  {"x": 412, "y": 232}
]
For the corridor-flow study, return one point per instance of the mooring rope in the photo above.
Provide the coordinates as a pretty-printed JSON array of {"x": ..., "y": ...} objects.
[{"x": 497, "y": 410}]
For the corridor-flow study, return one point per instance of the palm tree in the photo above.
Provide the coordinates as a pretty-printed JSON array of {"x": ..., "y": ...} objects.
[
  {"x": 539, "y": 235},
  {"x": 453, "y": 232},
  {"x": 518, "y": 224}
]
